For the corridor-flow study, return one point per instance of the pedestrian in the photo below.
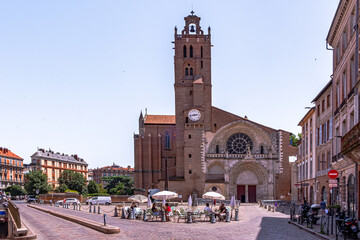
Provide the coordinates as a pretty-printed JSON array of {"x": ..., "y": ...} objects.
[{"x": 323, "y": 206}]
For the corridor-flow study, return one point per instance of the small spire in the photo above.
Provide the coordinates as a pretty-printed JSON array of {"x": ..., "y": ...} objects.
[{"x": 192, "y": 13}]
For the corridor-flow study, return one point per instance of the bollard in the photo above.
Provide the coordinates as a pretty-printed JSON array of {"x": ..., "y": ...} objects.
[
  {"x": 132, "y": 214},
  {"x": 63, "y": 205},
  {"x": 89, "y": 208},
  {"x": 163, "y": 219},
  {"x": 213, "y": 220},
  {"x": 105, "y": 219},
  {"x": 80, "y": 207},
  {"x": 123, "y": 213},
  {"x": 99, "y": 210},
  {"x": 74, "y": 206},
  {"x": 189, "y": 218},
  {"x": 227, "y": 216},
  {"x": 145, "y": 216},
  {"x": 116, "y": 212},
  {"x": 94, "y": 210},
  {"x": 236, "y": 214}
]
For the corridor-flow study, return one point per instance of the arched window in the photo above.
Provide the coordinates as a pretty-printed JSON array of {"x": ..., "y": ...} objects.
[
  {"x": 191, "y": 72},
  {"x": 167, "y": 141},
  {"x": 217, "y": 150},
  {"x": 201, "y": 52},
  {"x": 184, "y": 51},
  {"x": 191, "y": 51},
  {"x": 186, "y": 71},
  {"x": 202, "y": 65},
  {"x": 351, "y": 196},
  {"x": 262, "y": 150}
]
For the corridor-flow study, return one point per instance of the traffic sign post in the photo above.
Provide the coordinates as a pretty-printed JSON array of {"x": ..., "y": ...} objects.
[{"x": 333, "y": 174}]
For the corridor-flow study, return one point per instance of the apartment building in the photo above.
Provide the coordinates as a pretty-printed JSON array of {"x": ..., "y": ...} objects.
[
  {"x": 11, "y": 169},
  {"x": 324, "y": 135},
  {"x": 343, "y": 38},
  {"x": 53, "y": 164},
  {"x": 306, "y": 158},
  {"x": 114, "y": 170}
]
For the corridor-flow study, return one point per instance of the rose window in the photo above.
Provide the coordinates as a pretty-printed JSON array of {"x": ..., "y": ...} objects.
[{"x": 238, "y": 143}]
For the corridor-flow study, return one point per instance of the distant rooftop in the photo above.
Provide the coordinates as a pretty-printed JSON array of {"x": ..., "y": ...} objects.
[
  {"x": 58, "y": 156},
  {"x": 4, "y": 152}
]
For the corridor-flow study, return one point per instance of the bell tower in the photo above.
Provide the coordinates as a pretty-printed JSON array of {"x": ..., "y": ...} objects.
[{"x": 192, "y": 63}]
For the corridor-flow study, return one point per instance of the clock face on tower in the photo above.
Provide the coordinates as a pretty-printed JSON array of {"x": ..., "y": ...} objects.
[{"x": 194, "y": 115}]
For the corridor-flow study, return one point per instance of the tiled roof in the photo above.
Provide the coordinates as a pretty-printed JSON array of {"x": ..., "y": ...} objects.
[
  {"x": 7, "y": 153},
  {"x": 160, "y": 119},
  {"x": 57, "y": 156}
]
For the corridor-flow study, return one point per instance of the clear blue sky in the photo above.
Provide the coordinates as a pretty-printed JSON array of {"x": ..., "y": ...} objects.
[{"x": 74, "y": 75}]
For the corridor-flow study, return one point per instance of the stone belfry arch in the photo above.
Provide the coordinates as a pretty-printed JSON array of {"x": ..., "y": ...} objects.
[{"x": 192, "y": 68}]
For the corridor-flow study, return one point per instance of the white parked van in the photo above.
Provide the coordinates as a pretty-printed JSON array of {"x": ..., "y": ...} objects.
[{"x": 99, "y": 200}]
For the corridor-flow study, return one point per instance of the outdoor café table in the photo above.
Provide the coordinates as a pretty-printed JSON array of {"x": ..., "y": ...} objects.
[{"x": 189, "y": 216}]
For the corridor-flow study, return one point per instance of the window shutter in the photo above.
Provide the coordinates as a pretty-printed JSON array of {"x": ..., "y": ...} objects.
[
  {"x": 330, "y": 129},
  {"x": 316, "y": 137},
  {"x": 320, "y": 137}
]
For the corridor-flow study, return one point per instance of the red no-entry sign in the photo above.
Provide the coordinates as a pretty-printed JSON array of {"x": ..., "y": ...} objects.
[{"x": 333, "y": 174}]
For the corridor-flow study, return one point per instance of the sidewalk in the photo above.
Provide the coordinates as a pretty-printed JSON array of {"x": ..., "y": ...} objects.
[{"x": 315, "y": 229}]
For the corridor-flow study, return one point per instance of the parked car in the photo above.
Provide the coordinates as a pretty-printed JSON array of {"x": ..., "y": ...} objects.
[
  {"x": 71, "y": 201},
  {"x": 99, "y": 200},
  {"x": 31, "y": 199}
]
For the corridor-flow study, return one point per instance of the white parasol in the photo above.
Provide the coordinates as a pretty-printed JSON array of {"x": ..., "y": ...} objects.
[
  {"x": 232, "y": 202},
  {"x": 213, "y": 195},
  {"x": 164, "y": 195},
  {"x": 189, "y": 201},
  {"x": 149, "y": 203},
  {"x": 138, "y": 198}
]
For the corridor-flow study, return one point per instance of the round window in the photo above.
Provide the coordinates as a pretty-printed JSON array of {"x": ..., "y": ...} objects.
[
  {"x": 214, "y": 189},
  {"x": 238, "y": 142}
]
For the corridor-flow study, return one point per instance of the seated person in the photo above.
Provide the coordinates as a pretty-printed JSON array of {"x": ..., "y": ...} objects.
[
  {"x": 167, "y": 210},
  {"x": 207, "y": 208},
  {"x": 132, "y": 208},
  {"x": 154, "y": 209},
  {"x": 222, "y": 212}
]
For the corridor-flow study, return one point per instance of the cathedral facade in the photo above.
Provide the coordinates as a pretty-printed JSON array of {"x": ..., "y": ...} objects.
[{"x": 203, "y": 148}]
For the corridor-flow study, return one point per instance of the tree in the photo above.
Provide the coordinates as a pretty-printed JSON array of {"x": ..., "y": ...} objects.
[
  {"x": 121, "y": 185},
  {"x": 15, "y": 190},
  {"x": 295, "y": 140},
  {"x": 73, "y": 180},
  {"x": 61, "y": 188},
  {"x": 92, "y": 187},
  {"x": 36, "y": 180}
]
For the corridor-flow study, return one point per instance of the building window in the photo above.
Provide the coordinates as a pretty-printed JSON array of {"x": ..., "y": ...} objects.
[
  {"x": 328, "y": 159},
  {"x": 352, "y": 72},
  {"x": 337, "y": 49},
  {"x": 323, "y": 105},
  {"x": 328, "y": 101},
  {"x": 189, "y": 136},
  {"x": 191, "y": 72},
  {"x": 318, "y": 110},
  {"x": 261, "y": 149},
  {"x": 337, "y": 95},
  {"x": 352, "y": 119},
  {"x": 189, "y": 155},
  {"x": 184, "y": 51},
  {"x": 344, "y": 42},
  {"x": 217, "y": 149},
  {"x": 344, "y": 84},
  {"x": 186, "y": 71},
  {"x": 201, "y": 52},
  {"x": 191, "y": 92},
  {"x": 201, "y": 63},
  {"x": 167, "y": 141},
  {"x": 191, "y": 51}
]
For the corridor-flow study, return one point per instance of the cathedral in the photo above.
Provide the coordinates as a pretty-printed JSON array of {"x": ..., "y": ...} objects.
[{"x": 203, "y": 148}]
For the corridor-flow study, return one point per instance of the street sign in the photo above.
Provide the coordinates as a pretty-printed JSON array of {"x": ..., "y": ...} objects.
[
  {"x": 331, "y": 185},
  {"x": 333, "y": 181},
  {"x": 333, "y": 174},
  {"x": 275, "y": 204}
]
